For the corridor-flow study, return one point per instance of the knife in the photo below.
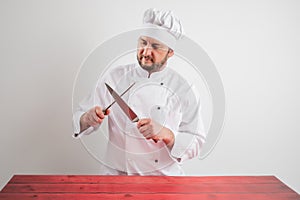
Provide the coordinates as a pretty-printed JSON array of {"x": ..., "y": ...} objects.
[
  {"x": 104, "y": 110},
  {"x": 123, "y": 105}
]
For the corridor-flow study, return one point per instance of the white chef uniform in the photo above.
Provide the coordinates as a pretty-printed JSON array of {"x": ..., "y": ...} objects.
[{"x": 166, "y": 98}]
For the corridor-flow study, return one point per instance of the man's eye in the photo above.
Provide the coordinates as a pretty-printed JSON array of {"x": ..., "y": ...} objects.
[
  {"x": 155, "y": 47},
  {"x": 143, "y": 43}
]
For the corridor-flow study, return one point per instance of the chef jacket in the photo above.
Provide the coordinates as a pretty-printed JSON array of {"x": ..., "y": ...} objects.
[{"x": 166, "y": 98}]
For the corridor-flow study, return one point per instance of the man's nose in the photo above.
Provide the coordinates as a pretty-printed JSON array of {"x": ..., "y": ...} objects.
[{"x": 147, "y": 51}]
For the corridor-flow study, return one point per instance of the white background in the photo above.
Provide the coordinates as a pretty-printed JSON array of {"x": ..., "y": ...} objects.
[{"x": 254, "y": 45}]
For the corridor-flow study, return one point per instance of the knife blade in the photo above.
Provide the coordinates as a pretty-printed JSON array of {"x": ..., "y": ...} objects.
[
  {"x": 123, "y": 105},
  {"x": 104, "y": 110}
]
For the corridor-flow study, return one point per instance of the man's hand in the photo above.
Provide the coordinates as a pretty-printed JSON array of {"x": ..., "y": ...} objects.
[
  {"x": 153, "y": 130},
  {"x": 93, "y": 117}
]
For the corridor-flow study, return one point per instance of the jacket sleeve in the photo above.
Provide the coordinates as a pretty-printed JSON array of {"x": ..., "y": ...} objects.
[{"x": 189, "y": 135}]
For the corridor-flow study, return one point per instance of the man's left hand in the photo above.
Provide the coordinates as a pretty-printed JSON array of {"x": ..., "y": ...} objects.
[{"x": 153, "y": 130}]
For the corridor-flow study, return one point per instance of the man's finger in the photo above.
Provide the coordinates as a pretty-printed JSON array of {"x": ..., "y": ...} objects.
[
  {"x": 106, "y": 112},
  {"x": 95, "y": 118},
  {"x": 143, "y": 122},
  {"x": 143, "y": 129},
  {"x": 99, "y": 112}
]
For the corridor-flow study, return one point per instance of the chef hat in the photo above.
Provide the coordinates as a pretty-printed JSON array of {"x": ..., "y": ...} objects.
[{"x": 163, "y": 26}]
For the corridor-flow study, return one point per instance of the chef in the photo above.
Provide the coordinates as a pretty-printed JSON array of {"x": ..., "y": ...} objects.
[{"x": 169, "y": 130}]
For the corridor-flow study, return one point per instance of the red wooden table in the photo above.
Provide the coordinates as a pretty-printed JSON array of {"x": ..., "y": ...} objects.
[{"x": 145, "y": 187}]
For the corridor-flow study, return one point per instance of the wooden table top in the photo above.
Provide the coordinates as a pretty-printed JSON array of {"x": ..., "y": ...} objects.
[{"x": 81, "y": 187}]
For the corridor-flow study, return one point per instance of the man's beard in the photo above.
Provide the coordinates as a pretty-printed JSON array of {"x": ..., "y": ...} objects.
[{"x": 155, "y": 67}]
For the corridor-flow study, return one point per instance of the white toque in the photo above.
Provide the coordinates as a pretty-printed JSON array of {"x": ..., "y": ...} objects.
[{"x": 163, "y": 26}]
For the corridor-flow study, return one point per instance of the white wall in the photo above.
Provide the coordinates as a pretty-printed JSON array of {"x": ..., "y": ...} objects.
[{"x": 254, "y": 45}]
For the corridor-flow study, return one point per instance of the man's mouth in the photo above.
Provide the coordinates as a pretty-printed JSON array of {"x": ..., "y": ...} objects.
[{"x": 146, "y": 59}]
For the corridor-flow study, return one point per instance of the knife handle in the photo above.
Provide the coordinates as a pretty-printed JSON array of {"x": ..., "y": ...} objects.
[{"x": 104, "y": 111}]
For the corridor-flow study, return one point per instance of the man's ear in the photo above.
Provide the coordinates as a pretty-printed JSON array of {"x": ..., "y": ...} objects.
[{"x": 170, "y": 53}]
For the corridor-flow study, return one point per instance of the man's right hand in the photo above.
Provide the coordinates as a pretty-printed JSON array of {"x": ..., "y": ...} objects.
[{"x": 93, "y": 117}]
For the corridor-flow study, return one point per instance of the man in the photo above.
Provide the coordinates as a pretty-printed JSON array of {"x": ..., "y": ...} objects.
[{"x": 169, "y": 130}]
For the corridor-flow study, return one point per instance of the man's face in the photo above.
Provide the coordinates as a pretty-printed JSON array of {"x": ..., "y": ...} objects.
[{"x": 152, "y": 55}]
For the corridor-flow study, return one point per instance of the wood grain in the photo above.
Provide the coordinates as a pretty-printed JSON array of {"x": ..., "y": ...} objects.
[
  {"x": 91, "y": 196},
  {"x": 146, "y": 187}
]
